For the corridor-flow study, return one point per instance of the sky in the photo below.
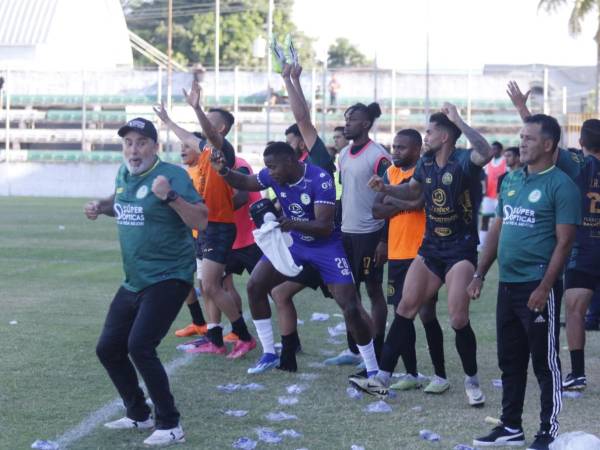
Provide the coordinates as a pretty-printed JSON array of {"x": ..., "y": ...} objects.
[{"x": 464, "y": 34}]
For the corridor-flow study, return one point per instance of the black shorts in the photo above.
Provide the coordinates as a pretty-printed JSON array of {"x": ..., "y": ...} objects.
[
  {"x": 311, "y": 278},
  {"x": 241, "y": 259},
  {"x": 397, "y": 270},
  {"x": 577, "y": 279},
  {"x": 441, "y": 256},
  {"x": 216, "y": 241},
  {"x": 360, "y": 249}
]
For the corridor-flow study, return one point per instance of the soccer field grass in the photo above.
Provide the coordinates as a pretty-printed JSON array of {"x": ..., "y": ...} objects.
[{"x": 58, "y": 273}]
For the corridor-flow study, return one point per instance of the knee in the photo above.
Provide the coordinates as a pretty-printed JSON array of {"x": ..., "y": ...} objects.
[
  {"x": 406, "y": 308},
  {"x": 459, "y": 320},
  {"x": 139, "y": 349},
  {"x": 210, "y": 289},
  {"x": 351, "y": 311},
  {"x": 427, "y": 314},
  {"x": 107, "y": 351},
  {"x": 256, "y": 290}
]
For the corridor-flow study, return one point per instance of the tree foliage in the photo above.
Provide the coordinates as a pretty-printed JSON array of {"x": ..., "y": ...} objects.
[
  {"x": 241, "y": 22},
  {"x": 342, "y": 53}
]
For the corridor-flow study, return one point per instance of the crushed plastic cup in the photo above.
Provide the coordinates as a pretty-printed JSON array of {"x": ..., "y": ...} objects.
[
  {"x": 497, "y": 383},
  {"x": 245, "y": 443},
  {"x": 338, "y": 330},
  {"x": 280, "y": 416},
  {"x": 429, "y": 435},
  {"x": 61, "y": 227},
  {"x": 229, "y": 387},
  {"x": 45, "y": 445},
  {"x": 308, "y": 376},
  {"x": 357, "y": 447},
  {"x": 463, "y": 447},
  {"x": 285, "y": 400},
  {"x": 378, "y": 407},
  {"x": 236, "y": 412},
  {"x": 13, "y": 322},
  {"x": 268, "y": 435},
  {"x": 290, "y": 433},
  {"x": 252, "y": 387},
  {"x": 353, "y": 393},
  {"x": 319, "y": 317},
  {"x": 296, "y": 388},
  {"x": 316, "y": 365},
  {"x": 417, "y": 408},
  {"x": 572, "y": 394},
  {"x": 492, "y": 421}
]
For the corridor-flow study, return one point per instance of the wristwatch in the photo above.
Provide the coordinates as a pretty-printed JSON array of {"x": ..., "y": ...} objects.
[
  {"x": 171, "y": 196},
  {"x": 478, "y": 276}
]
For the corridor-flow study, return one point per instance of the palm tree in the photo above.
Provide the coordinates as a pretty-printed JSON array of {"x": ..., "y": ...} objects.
[{"x": 581, "y": 8}]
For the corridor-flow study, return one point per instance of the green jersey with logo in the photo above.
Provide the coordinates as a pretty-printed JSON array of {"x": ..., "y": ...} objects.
[
  {"x": 156, "y": 244},
  {"x": 531, "y": 205}
]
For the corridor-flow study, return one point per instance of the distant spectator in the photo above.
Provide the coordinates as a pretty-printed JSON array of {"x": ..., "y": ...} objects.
[
  {"x": 339, "y": 141},
  {"x": 334, "y": 87}
]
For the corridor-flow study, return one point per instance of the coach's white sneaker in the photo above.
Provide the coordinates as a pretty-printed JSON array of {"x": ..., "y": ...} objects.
[
  {"x": 163, "y": 438},
  {"x": 125, "y": 423},
  {"x": 473, "y": 391}
]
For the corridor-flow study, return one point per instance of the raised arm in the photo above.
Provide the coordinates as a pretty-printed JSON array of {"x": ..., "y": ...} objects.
[
  {"x": 183, "y": 135},
  {"x": 518, "y": 99},
  {"x": 482, "y": 151},
  {"x": 193, "y": 98},
  {"x": 234, "y": 178},
  {"x": 291, "y": 78}
]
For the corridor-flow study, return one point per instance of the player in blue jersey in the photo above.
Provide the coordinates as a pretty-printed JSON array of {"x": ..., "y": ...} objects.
[
  {"x": 306, "y": 194},
  {"x": 448, "y": 178}
]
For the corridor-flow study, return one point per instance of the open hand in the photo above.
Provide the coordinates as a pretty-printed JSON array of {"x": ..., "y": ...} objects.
[
  {"x": 296, "y": 71},
  {"x": 516, "y": 96},
  {"x": 286, "y": 70},
  {"x": 194, "y": 95},
  {"x": 161, "y": 112}
]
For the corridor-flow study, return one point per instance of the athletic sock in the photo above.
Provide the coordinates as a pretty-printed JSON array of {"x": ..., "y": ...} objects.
[
  {"x": 368, "y": 354},
  {"x": 577, "y": 363},
  {"x": 378, "y": 345},
  {"x": 399, "y": 342},
  {"x": 239, "y": 327},
  {"x": 466, "y": 346},
  {"x": 351, "y": 343},
  {"x": 196, "y": 313},
  {"x": 215, "y": 334},
  {"x": 264, "y": 329},
  {"x": 435, "y": 342},
  {"x": 287, "y": 359}
]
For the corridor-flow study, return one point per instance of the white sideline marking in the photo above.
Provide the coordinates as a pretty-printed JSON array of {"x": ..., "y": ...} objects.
[{"x": 94, "y": 419}]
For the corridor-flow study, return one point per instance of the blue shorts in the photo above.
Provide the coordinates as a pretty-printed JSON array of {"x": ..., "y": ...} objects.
[{"x": 329, "y": 259}]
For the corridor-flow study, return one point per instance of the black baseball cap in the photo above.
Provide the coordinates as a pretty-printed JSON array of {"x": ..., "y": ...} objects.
[{"x": 140, "y": 125}]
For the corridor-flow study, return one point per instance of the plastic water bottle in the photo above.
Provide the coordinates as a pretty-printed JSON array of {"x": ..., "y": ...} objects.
[
  {"x": 463, "y": 447},
  {"x": 429, "y": 435}
]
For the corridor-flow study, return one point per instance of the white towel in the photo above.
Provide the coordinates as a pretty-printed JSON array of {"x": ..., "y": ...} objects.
[{"x": 274, "y": 244}]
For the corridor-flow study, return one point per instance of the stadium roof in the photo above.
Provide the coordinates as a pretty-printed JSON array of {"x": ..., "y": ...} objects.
[{"x": 25, "y": 22}]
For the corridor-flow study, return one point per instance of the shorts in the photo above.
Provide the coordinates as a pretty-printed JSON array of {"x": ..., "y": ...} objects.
[
  {"x": 311, "y": 278},
  {"x": 241, "y": 259},
  {"x": 360, "y": 249},
  {"x": 488, "y": 206},
  {"x": 216, "y": 241},
  {"x": 441, "y": 256},
  {"x": 397, "y": 270},
  {"x": 576, "y": 279},
  {"x": 328, "y": 259}
]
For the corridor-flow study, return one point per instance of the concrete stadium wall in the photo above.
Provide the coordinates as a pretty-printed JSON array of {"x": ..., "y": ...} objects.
[{"x": 57, "y": 180}]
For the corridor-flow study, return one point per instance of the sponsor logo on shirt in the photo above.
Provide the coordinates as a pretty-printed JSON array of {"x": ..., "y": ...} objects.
[
  {"x": 438, "y": 197},
  {"x": 447, "y": 178},
  {"x": 327, "y": 185},
  {"x": 518, "y": 216},
  {"x": 442, "y": 231},
  {"x": 296, "y": 209},
  {"x": 130, "y": 215},
  {"x": 305, "y": 199}
]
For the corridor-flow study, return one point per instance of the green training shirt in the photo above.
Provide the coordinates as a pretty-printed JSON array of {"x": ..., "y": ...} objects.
[
  {"x": 531, "y": 205},
  {"x": 156, "y": 244}
]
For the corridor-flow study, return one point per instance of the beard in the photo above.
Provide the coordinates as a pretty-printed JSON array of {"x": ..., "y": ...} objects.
[{"x": 142, "y": 167}]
